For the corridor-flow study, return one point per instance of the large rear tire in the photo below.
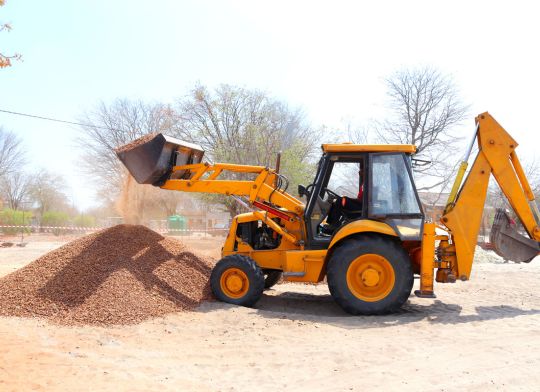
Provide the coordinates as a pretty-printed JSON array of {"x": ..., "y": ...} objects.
[
  {"x": 238, "y": 280},
  {"x": 370, "y": 274}
]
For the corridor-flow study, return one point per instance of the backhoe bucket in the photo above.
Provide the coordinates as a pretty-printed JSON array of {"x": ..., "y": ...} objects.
[
  {"x": 150, "y": 159},
  {"x": 509, "y": 243}
]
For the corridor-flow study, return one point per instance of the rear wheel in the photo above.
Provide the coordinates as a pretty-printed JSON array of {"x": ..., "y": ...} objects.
[
  {"x": 370, "y": 275},
  {"x": 271, "y": 277},
  {"x": 238, "y": 280}
]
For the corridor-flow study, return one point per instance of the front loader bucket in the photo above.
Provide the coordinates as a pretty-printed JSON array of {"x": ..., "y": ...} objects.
[
  {"x": 150, "y": 159},
  {"x": 508, "y": 242}
]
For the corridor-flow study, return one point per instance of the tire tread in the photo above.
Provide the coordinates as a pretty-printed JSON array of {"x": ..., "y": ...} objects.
[
  {"x": 253, "y": 272},
  {"x": 361, "y": 245}
]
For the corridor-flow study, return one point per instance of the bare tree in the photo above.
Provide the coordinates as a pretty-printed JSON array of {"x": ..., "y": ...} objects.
[
  {"x": 426, "y": 107},
  {"x": 496, "y": 197},
  {"x": 237, "y": 124},
  {"x": 46, "y": 190},
  {"x": 357, "y": 134},
  {"x": 111, "y": 126},
  {"x": 244, "y": 126},
  {"x": 231, "y": 123},
  {"x": 532, "y": 172},
  {"x": 11, "y": 153},
  {"x": 16, "y": 189}
]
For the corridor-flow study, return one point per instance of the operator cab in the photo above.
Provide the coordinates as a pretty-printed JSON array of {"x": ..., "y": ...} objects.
[{"x": 355, "y": 182}]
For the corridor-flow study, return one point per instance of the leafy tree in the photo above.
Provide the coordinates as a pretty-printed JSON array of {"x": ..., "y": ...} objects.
[
  {"x": 233, "y": 125},
  {"x": 84, "y": 220},
  {"x": 56, "y": 219},
  {"x": 243, "y": 126},
  {"x": 47, "y": 192}
]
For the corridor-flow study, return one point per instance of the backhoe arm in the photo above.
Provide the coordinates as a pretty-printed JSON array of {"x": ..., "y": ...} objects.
[{"x": 463, "y": 213}]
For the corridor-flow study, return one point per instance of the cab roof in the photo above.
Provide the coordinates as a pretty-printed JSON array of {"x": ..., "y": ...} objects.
[{"x": 350, "y": 147}]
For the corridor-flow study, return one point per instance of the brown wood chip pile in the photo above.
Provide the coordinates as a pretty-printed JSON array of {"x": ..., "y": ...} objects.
[
  {"x": 121, "y": 275},
  {"x": 136, "y": 142}
]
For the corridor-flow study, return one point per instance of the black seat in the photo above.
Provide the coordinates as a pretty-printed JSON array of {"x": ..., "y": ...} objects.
[{"x": 342, "y": 211}]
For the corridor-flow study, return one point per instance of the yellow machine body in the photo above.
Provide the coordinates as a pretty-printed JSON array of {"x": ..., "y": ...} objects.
[
  {"x": 298, "y": 264},
  {"x": 435, "y": 257}
]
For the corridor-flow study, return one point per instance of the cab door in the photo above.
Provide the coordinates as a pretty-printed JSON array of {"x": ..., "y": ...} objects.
[
  {"x": 339, "y": 176},
  {"x": 392, "y": 195}
]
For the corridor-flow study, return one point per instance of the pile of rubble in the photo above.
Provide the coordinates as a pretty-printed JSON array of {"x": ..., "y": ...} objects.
[{"x": 121, "y": 275}]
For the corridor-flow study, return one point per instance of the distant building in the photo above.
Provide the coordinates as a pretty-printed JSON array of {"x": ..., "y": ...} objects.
[
  {"x": 433, "y": 204},
  {"x": 205, "y": 219}
]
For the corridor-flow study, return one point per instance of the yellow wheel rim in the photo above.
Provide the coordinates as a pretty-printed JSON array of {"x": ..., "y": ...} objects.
[
  {"x": 234, "y": 283},
  {"x": 370, "y": 277}
]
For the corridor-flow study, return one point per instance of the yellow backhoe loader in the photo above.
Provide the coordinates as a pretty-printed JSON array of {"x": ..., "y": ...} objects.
[{"x": 362, "y": 225}]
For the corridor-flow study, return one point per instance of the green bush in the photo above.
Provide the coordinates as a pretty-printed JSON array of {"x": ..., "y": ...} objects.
[
  {"x": 84, "y": 221},
  {"x": 10, "y": 217},
  {"x": 55, "y": 218}
]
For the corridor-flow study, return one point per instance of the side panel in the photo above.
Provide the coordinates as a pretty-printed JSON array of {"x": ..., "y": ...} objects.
[
  {"x": 304, "y": 266},
  {"x": 297, "y": 265}
]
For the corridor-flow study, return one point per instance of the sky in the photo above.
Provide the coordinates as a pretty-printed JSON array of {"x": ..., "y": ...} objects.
[{"x": 330, "y": 58}]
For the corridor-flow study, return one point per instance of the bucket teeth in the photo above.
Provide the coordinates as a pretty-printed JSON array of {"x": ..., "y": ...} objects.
[{"x": 508, "y": 242}]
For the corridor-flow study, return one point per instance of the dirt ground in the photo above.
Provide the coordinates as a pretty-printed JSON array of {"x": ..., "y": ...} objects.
[{"x": 476, "y": 336}]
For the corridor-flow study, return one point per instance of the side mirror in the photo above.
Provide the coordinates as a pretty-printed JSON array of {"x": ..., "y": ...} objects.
[{"x": 302, "y": 190}]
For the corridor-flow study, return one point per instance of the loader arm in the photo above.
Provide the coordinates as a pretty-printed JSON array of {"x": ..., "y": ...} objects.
[
  {"x": 463, "y": 213},
  {"x": 204, "y": 178},
  {"x": 263, "y": 192},
  {"x": 174, "y": 164}
]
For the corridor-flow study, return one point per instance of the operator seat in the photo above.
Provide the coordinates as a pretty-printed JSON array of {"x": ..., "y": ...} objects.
[{"x": 343, "y": 210}]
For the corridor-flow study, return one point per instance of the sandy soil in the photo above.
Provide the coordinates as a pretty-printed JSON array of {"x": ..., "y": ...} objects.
[{"x": 476, "y": 336}]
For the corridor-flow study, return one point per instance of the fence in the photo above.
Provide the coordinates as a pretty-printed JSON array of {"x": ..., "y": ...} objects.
[{"x": 35, "y": 230}]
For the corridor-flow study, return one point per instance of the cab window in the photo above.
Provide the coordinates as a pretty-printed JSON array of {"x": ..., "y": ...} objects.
[{"x": 392, "y": 190}]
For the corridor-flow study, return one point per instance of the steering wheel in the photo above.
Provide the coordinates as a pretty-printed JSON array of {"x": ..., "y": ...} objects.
[
  {"x": 332, "y": 193},
  {"x": 309, "y": 188}
]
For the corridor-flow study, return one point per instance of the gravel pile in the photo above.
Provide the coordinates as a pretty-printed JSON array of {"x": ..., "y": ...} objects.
[
  {"x": 136, "y": 142},
  {"x": 121, "y": 275}
]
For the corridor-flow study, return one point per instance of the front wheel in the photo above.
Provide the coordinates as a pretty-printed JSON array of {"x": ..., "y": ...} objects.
[
  {"x": 370, "y": 275},
  {"x": 238, "y": 280}
]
